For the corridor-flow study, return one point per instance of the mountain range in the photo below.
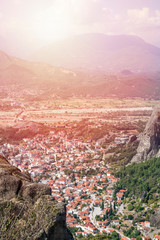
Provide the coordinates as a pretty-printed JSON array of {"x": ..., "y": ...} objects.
[
  {"x": 69, "y": 82},
  {"x": 102, "y": 52}
]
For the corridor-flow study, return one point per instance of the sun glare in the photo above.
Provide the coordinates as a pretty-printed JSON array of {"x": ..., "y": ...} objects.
[{"x": 54, "y": 23}]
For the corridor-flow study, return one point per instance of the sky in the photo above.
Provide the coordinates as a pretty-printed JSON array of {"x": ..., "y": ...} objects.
[{"x": 27, "y": 25}]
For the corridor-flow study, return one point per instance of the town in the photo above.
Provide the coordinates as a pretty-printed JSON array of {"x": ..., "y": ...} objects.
[{"x": 77, "y": 173}]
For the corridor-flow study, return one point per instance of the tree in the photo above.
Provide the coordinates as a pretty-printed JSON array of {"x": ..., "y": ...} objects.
[
  {"x": 115, "y": 236},
  {"x": 130, "y": 207},
  {"x": 138, "y": 238},
  {"x": 102, "y": 205},
  {"x": 130, "y": 217}
]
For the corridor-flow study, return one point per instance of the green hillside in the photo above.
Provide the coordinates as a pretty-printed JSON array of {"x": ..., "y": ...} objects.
[{"x": 141, "y": 180}]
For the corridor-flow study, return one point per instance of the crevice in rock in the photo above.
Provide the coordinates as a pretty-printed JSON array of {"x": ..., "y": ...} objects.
[{"x": 19, "y": 187}]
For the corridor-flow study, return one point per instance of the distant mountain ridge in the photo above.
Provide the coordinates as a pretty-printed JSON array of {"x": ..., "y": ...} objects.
[
  {"x": 17, "y": 71},
  {"x": 63, "y": 82},
  {"x": 102, "y": 52}
]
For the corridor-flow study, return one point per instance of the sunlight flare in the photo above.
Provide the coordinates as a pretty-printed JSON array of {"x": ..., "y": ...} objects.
[{"x": 55, "y": 23}]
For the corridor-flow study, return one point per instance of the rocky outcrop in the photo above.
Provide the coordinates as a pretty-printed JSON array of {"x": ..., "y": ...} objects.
[
  {"x": 9, "y": 186},
  {"x": 149, "y": 145},
  {"x": 155, "y": 219},
  {"x": 33, "y": 191},
  {"x": 27, "y": 209}
]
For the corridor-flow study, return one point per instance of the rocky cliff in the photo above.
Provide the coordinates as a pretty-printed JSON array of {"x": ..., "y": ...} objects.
[
  {"x": 27, "y": 209},
  {"x": 149, "y": 145}
]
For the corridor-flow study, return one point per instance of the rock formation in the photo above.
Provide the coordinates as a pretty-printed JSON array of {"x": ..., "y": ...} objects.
[
  {"x": 155, "y": 219},
  {"x": 149, "y": 145},
  {"x": 27, "y": 209}
]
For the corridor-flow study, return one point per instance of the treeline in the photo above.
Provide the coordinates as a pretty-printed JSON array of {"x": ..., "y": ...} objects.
[
  {"x": 112, "y": 236},
  {"x": 141, "y": 180}
]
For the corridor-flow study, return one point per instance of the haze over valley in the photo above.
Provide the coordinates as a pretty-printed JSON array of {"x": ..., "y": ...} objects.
[{"x": 100, "y": 52}]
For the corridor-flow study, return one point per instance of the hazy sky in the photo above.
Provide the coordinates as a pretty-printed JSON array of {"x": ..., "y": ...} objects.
[{"x": 26, "y": 25}]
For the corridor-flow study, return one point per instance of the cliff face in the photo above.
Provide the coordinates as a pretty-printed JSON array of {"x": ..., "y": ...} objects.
[
  {"x": 27, "y": 209},
  {"x": 149, "y": 145}
]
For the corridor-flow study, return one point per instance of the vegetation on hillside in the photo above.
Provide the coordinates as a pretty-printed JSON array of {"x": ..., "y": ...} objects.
[
  {"x": 113, "y": 236},
  {"x": 141, "y": 180},
  {"x": 16, "y": 134},
  {"x": 20, "y": 219},
  {"x": 122, "y": 154},
  {"x": 88, "y": 130}
]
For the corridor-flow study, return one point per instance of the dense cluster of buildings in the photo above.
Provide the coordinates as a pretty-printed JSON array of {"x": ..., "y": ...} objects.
[{"x": 76, "y": 173}]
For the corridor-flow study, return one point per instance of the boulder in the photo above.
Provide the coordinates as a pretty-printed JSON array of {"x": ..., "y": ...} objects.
[
  {"x": 33, "y": 191},
  {"x": 9, "y": 186}
]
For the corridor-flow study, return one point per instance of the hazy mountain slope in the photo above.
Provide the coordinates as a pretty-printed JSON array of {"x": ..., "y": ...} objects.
[
  {"x": 99, "y": 51},
  {"x": 67, "y": 83},
  {"x": 135, "y": 86},
  {"x": 14, "y": 70}
]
